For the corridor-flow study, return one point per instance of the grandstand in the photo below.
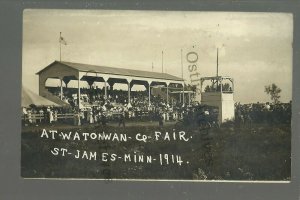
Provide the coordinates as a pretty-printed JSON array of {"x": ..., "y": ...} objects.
[
  {"x": 166, "y": 97},
  {"x": 67, "y": 71}
]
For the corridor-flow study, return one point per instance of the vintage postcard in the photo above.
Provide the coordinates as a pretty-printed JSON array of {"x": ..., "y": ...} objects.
[{"x": 156, "y": 95}]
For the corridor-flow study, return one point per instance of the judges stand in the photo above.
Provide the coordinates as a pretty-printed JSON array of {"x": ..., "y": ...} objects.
[{"x": 218, "y": 91}]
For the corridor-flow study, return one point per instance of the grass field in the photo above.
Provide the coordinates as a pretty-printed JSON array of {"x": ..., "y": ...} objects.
[{"x": 260, "y": 152}]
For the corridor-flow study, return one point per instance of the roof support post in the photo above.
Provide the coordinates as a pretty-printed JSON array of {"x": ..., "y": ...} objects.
[
  {"x": 105, "y": 90},
  {"x": 179, "y": 97},
  {"x": 149, "y": 91},
  {"x": 167, "y": 83},
  {"x": 189, "y": 98},
  {"x": 78, "y": 96},
  {"x": 221, "y": 89},
  {"x": 183, "y": 101},
  {"x": 105, "y": 78},
  {"x": 61, "y": 88},
  {"x": 129, "y": 89}
]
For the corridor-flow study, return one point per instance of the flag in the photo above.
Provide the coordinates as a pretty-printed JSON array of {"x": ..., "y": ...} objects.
[{"x": 62, "y": 40}]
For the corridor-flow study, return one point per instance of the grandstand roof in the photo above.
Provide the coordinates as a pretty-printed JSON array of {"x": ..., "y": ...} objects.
[
  {"x": 115, "y": 71},
  {"x": 215, "y": 77}
]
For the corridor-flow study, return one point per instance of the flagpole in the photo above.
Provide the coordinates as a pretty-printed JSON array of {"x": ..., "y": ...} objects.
[
  {"x": 182, "y": 77},
  {"x": 162, "y": 61},
  {"x": 217, "y": 67},
  {"x": 181, "y": 64},
  {"x": 59, "y": 46},
  {"x": 217, "y": 62}
]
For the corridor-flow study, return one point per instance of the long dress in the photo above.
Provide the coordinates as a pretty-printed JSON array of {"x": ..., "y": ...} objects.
[
  {"x": 51, "y": 118},
  {"x": 91, "y": 117}
]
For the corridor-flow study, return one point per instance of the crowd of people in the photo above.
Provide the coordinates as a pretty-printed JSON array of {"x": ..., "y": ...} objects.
[
  {"x": 95, "y": 108},
  {"x": 263, "y": 113},
  {"x": 217, "y": 87},
  {"x": 44, "y": 114}
]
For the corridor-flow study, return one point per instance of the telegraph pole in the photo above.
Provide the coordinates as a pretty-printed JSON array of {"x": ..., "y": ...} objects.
[{"x": 162, "y": 61}]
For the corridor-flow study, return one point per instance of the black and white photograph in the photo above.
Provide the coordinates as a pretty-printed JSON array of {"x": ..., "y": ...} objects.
[{"x": 141, "y": 95}]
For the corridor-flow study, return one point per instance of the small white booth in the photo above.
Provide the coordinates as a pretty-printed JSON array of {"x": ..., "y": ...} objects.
[{"x": 218, "y": 91}]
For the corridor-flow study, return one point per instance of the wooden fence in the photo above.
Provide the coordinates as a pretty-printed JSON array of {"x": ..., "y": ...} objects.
[{"x": 40, "y": 117}]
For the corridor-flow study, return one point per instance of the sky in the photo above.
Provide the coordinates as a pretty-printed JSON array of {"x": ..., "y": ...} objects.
[{"x": 255, "y": 49}]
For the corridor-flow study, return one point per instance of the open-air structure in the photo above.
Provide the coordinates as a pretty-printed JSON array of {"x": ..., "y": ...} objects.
[
  {"x": 219, "y": 92},
  {"x": 182, "y": 94},
  {"x": 67, "y": 71}
]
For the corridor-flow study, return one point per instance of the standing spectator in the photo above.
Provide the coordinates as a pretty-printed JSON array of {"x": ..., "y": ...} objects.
[
  {"x": 77, "y": 116},
  {"x": 41, "y": 112},
  {"x": 122, "y": 119},
  {"x": 160, "y": 119},
  {"x": 91, "y": 118},
  {"x": 103, "y": 119},
  {"x": 51, "y": 118},
  {"x": 29, "y": 116},
  {"x": 55, "y": 115}
]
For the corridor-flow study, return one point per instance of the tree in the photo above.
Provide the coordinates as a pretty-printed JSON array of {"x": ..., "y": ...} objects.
[{"x": 274, "y": 91}]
